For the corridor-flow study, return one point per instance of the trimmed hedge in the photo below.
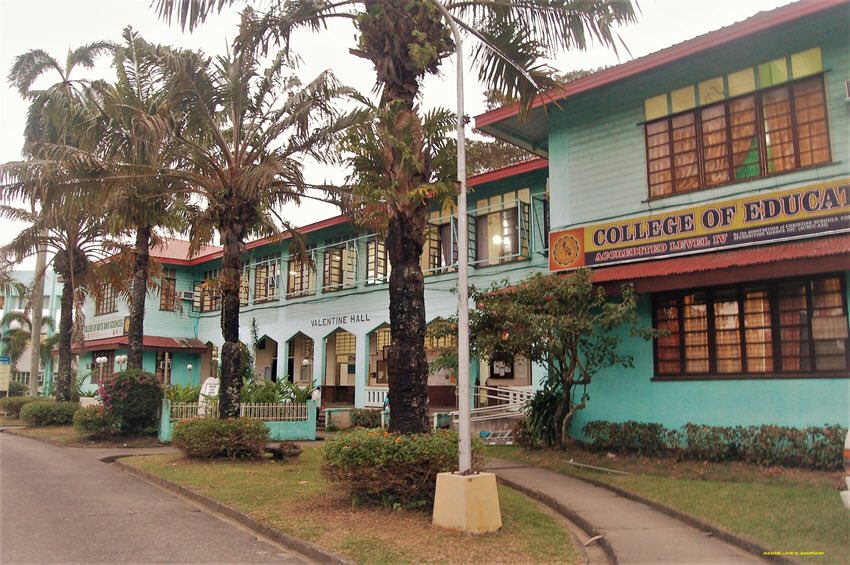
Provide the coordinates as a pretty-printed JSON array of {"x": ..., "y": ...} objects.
[
  {"x": 815, "y": 447},
  {"x": 12, "y": 405},
  {"x": 208, "y": 438},
  {"x": 365, "y": 418},
  {"x": 49, "y": 413},
  {"x": 377, "y": 467}
]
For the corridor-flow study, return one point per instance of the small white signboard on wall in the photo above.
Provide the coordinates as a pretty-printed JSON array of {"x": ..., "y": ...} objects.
[{"x": 5, "y": 372}]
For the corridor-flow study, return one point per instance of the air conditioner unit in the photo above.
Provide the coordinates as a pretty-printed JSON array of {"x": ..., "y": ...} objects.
[{"x": 187, "y": 295}]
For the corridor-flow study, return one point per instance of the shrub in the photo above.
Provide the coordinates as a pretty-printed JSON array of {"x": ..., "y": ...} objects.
[
  {"x": 94, "y": 421},
  {"x": 207, "y": 438},
  {"x": 711, "y": 443},
  {"x": 133, "y": 399},
  {"x": 377, "y": 467},
  {"x": 364, "y": 418},
  {"x": 49, "y": 413},
  {"x": 627, "y": 437},
  {"x": 17, "y": 389},
  {"x": 181, "y": 393},
  {"x": 12, "y": 405}
]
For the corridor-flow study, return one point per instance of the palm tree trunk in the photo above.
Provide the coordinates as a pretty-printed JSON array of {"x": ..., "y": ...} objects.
[
  {"x": 66, "y": 321},
  {"x": 231, "y": 354},
  {"x": 36, "y": 307},
  {"x": 407, "y": 365},
  {"x": 141, "y": 268}
]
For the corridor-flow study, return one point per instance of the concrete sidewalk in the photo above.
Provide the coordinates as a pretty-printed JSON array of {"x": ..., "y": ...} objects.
[{"x": 634, "y": 531}]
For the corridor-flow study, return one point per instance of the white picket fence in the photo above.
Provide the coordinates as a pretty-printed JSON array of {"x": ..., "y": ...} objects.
[{"x": 265, "y": 412}]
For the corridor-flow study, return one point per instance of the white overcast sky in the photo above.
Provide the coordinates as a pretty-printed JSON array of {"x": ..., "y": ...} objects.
[{"x": 58, "y": 25}]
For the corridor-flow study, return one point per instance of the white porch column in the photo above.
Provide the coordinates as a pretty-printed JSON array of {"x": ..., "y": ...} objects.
[
  {"x": 361, "y": 370},
  {"x": 319, "y": 345}
]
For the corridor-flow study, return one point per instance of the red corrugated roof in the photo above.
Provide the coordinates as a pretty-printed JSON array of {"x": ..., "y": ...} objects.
[
  {"x": 148, "y": 342},
  {"x": 759, "y": 22},
  {"x": 837, "y": 246},
  {"x": 509, "y": 171}
]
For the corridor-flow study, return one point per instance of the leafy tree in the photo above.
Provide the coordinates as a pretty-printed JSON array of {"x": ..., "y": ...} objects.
[
  {"x": 45, "y": 122},
  {"x": 564, "y": 322},
  {"x": 17, "y": 340},
  {"x": 406, "y": 41},
  {"x": 67, "y": 225},
  {"x": 131, "y": 137},
  {"x": 244, "y": 133}
]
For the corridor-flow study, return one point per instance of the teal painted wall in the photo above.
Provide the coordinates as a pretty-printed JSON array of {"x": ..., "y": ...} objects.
[
  {"x": 618, "y": 394},
  {"x": 597, "y": 153}
]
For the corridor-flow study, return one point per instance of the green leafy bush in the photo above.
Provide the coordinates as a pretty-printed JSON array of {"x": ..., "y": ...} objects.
[
  {"x": 364, "y": 418},
  {"x": 539, "y": 427},
  {"x": 49, "y": 413},
  {"x": 17, "y": 389},
  {"x": 816, "y": 447},
  {"x": 183, "y": 393},
  {"x": 627, "y": 437},
  {"x": 95, "y": 421},
  {"x": 207, "y": 438},
  {"x": 133, "y": 399},
  {"x": 377, "y": 467},
  {"x": 12, "y": 405}
]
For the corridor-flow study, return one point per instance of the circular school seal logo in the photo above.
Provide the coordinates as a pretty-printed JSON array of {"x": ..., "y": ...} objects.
[{"x": 565, "y": 251}]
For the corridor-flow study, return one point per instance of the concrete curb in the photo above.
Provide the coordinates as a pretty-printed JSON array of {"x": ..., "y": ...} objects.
[
  {"x": 570, "y": 515},
  {"x": 305, "y": 548}
]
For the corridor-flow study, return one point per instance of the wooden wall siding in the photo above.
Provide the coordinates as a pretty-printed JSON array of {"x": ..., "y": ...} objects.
[{"x": 597, "y": 154}]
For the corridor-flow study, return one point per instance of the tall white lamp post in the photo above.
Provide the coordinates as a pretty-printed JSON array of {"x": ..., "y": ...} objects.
[
  {"x": 189, "y": 370},
  {"x": 464, "y": 501},
  {"x": 121, "y": 360}
]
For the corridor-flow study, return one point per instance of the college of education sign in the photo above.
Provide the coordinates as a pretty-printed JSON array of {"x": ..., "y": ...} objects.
[{"x": 749, "y": 220}]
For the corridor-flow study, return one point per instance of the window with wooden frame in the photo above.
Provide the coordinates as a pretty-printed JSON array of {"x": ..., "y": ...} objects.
[
  {"x": 99, "y": 373},
  {"x": 793, "y": 327},
  {"x": 501, "y": 228},
  {"x": 302, "y": 278},
  {"x": 267, "y": 279},
  {"x": 771, "y": 131},
  {"x": 168, "y": 290},
  {"x": 105, "y": 302},
  {"x": 208, "y": 292},
  {"x": 163, "y": 367},
  {"x": 340, "y": 265},
  {"x": 244, "y": 286},
  {"x": 377, "y": 262}
]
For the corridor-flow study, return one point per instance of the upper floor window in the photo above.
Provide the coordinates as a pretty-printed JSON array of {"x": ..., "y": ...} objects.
[
  {"x": 796, "y": 327},
  {"x": 105, "y": 302},
  {"x": 302, "y": 277},
  {"x": 340, "y": 266},
  {"x": 377, "y": 262},
  {"x": 501, "y": 228},
  {"x": 770, "y": 131},
  {"x": 244, "y": 286},
  {"x": 440, "y": 252},
  {"x": 168, "y": 290},
  {"x": 267, "y": 279},
  {"x": 208, "y": 292}
]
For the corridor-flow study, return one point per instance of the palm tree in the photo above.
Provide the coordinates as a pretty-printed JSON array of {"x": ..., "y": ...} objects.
[
  {"x": 17, "y": 339},
  {"x": 42, "y": 126},
  {"x": 69, "y": 226},
  {"x": 405, "y": 41},
  {"x": 131, "y": 136},
  {"x": 244, "y": 133}
]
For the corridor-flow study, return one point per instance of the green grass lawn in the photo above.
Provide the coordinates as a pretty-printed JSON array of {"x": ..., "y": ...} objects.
[
  {"x": 294, "y": 498},
  {"x": 783, "y": 509}
]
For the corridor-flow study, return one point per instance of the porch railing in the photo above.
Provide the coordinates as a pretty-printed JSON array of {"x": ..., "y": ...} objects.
[
  {"x": 274, "y": 412},
  {"x": 375, "y": 397}
]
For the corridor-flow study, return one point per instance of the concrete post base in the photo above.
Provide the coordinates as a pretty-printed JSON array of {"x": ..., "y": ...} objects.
[{"x": 467, "y": 503}]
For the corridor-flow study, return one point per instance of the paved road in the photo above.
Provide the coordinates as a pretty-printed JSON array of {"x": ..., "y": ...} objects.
[{"x": 60, "y": 505}]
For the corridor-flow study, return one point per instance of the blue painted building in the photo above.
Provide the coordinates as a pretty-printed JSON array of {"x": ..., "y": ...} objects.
[{"x": 714, "y": 176}]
